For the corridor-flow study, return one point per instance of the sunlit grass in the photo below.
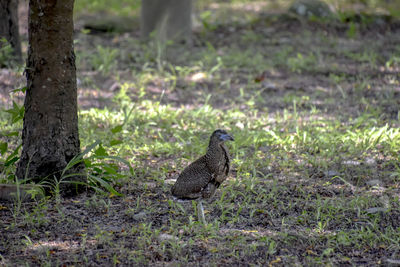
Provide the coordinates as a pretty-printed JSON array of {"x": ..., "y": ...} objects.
[
  {"x": 126, "y": 7},
  {"x": 284, "y": 165},
  {"x": 157, "y": 130}
]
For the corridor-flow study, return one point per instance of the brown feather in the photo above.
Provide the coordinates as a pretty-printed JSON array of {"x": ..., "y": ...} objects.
[{"x": 202, "y": 177}]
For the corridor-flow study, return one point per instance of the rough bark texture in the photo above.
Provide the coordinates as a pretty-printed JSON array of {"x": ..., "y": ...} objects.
[
  {"x": 171, "y": 19},
  {"x": 50, "y": 133},
  {"x": 9, "y": 25}
]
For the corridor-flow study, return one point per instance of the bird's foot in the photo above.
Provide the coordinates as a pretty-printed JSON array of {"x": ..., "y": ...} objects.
[{"x": 200, "y": 213}]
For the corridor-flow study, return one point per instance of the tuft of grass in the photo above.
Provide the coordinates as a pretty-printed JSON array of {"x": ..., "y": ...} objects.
[
  {"x": 125, "y": 7},
  {"x": 6, "y": 53},
  {"x": 104, "y": 59}
]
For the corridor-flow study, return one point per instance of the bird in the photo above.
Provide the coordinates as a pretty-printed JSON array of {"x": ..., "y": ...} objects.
[{"x": 200, "y": 179}]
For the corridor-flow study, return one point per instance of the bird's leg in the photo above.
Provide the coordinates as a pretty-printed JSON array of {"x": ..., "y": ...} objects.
[{"x": 200, "y": 212}]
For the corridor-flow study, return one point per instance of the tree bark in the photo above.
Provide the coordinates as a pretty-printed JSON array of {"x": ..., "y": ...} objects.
[
  {"x": 50, "y": 136},
  {"x": 171, "y": 19},
  {"x": 9, "y": 26}
]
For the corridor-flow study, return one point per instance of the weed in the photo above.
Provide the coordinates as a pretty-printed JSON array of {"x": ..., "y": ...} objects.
[
  {"x": 301, "y": 62},
  {"x": 6, "y": 53},
  {"x": 104, "y": 59},
  {"x": 352, "y": 31}
]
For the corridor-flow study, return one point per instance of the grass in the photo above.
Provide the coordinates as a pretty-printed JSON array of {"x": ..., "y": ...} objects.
[
  {"x": 315, "y": 160},
  {"x": 124, "y": 8}
]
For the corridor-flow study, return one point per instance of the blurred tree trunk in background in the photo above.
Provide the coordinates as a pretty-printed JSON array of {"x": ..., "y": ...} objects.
[
  {"x": 9, "y": 26},
  {"x": 50, "y": 136},
  {"x": 170, "y": 19}
]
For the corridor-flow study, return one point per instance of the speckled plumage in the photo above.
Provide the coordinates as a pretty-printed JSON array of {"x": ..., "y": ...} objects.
[{"x": 202, "y": 178}]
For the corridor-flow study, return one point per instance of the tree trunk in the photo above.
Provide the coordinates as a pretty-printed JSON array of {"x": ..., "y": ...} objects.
[
  {"x": 9, "y": 26},
  {"x": 170, "y": 19},
  {"x": 50, "y": 133}
]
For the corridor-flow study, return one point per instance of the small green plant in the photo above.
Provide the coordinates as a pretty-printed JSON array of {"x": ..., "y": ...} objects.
[
  {"x": 100, "y": 173},
  {"x": 6, "y": 53},
  {"x": 280, "y": 58},
  {"x": 367, "y": 56},
  {"x": 10, "y": 154},
  {"x": 301, "y": 62},
  {"x": 394, "y": 60},
  {"x": 104, "y": 59},
  {"x": 352, "y": 30},
  {"x": 206, "y": 17},
  {"x": 125, "y": 8}
]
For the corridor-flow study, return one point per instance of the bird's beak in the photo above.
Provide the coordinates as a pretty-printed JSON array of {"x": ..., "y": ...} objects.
[{"x": 225, "y": 137}]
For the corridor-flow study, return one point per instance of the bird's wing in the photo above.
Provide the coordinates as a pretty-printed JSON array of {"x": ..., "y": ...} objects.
[
  {"x": 227, "y": 160},
  {"x": 193, "y": 179}
]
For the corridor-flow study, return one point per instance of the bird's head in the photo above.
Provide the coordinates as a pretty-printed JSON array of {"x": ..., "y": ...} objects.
[{"x": 220, "y": 136}]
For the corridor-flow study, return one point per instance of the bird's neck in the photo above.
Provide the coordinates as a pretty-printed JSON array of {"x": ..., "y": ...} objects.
[
  {"x": 214, "y": 148},
  {"x": 213, "y": 145}
]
